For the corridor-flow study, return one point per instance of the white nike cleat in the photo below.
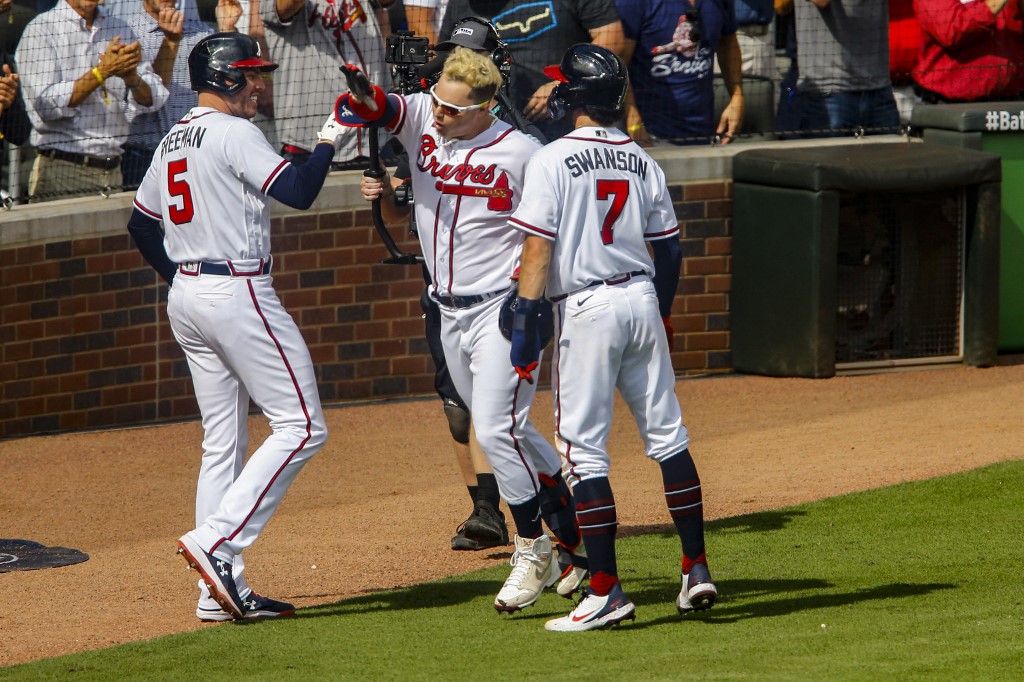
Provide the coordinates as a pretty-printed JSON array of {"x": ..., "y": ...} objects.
[
  {"x": 533, "y": 568},
  {"x": 575, "y": 570},
  {"x": 593, "y": 612}
]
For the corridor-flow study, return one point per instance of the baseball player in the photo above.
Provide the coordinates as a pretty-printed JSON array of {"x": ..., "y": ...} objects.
[
  {"x": 467, "y": 177},
  {"x": 210, "y": 183},
  {"x": 596, "y": 200}
]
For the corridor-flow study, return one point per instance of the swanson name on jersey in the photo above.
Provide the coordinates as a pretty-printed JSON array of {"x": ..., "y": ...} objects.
[{"x": 595, "y": 158}]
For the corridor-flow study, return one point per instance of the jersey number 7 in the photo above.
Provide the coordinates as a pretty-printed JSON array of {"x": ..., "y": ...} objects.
[
  {"x": 618, "y": 191},
  {"x": 179, "y": 188}
]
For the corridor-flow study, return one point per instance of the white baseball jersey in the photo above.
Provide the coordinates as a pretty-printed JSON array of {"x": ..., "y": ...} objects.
[
  {"x": 599, "y": 196},
  {"x": 465, "y": 193},
  {"x": 208, "y": 184},
  {"x": 210, "y": 214}
]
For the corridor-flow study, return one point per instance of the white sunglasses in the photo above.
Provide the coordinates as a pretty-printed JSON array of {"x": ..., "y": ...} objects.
[{"x": 453, "y": 109}]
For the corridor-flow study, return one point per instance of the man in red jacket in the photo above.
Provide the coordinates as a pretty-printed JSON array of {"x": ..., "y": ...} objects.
[{"x": 972, "y": 50}]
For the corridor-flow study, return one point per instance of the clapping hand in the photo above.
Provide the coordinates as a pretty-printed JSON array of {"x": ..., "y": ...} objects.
[
  {"x": 8, "y": 88},
  {"x": 228, "y": 12},
  {"x": 171, "y": 22}
]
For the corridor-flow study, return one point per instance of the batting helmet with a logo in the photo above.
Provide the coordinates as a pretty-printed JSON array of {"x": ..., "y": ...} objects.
[
  {"x": 592, "y": 78},
  {"x": 216, "y": 62}
]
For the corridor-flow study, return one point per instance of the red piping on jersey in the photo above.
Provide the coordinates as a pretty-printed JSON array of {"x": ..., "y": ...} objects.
[
  {"x": 558, "y": 398},
  {"x": 398, "y": 122},
  {"x": 458, "y": 207},
  {"x": 145, "y": 210},
  {"x": 302, "y": 402},
  {"x": 533, "y": 228},
  {"x": 597, "y": 139},
  {"x": 659, "y": 235},
  {"x": 186, "y": 121},
  {"x": 515, "y": 440},
  {"x": 273, "y": 176}
]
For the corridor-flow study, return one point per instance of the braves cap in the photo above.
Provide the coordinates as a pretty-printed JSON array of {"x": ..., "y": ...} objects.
[{"x": 472, "y": 33}]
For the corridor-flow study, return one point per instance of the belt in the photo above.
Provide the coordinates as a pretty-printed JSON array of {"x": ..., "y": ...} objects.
[
  {"x": 611, "y": 281},
  {"x": 226, "y": 268},
  {"x": 466, "y": 301},
  {"x": 108, "y": 163},
  {"x": 753, "y": 29}
]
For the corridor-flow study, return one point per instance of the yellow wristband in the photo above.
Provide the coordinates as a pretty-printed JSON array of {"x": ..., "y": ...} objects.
[
  {"x": 633, "y": 128},
  {"x": 103, "y": 85}
]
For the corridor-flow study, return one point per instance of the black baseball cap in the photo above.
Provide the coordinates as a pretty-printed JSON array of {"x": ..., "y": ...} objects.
[{"x": 472, "y": 32}]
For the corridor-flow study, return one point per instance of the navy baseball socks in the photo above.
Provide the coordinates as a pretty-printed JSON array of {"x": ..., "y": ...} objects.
[
  {"x": 557, "y": 511},
  {"x": 686, "y": 506},
  {"x": 603, "y": 602}
]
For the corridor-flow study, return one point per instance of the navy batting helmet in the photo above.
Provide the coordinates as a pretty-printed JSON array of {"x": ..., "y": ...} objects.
[
  {"x": 216, "y": 62},
  {"x": 592, "y": 78}
]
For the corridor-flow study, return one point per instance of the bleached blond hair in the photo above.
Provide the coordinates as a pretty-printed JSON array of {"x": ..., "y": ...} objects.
[{"x": 475, "y": 70}]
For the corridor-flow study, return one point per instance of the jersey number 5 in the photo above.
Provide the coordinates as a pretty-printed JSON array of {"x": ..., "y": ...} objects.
[
  {"x": 618, "y": 191},
  {"x": 179, "y": 188}
]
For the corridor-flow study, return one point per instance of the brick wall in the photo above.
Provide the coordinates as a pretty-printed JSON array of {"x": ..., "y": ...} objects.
[{"x": 86, "y": 342}]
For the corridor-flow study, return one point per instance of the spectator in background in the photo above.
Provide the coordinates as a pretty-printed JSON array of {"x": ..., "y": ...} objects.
[
  {"x": 84, "y": 81},
  {"x": 311, "y": 39},
  {"x": 537, "y": 35},
  {"x": 787, "y": 115},
  {"x": 167, "y": 36},
  {"x": 904, "y": 47},
  {"x": 844, "y": 81},
  {"x": 14, "y": 123},
  {"x": 972, "y": 50},
  {"x": 756, "y": 37},
  {"x": 425, "y": 16},
  {"x": 670, "y": 49}
]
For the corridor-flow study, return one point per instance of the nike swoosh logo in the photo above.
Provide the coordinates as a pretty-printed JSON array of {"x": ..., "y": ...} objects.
[
  {"x": 581, "y": 301},
  {"x": 577, "y": 619}
]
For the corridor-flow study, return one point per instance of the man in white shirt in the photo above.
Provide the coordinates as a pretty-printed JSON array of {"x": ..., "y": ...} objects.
[{"x": 84, "y": 81}]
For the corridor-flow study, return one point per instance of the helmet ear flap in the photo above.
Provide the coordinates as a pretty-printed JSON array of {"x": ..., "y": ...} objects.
[{"x": 558, "y": 102}]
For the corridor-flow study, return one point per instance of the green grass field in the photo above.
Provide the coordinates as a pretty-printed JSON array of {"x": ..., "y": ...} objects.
[{"x": 916, "y": 581}]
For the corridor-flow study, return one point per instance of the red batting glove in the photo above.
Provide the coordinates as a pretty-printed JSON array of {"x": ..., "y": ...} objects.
[{"x": 669, "y": 332}]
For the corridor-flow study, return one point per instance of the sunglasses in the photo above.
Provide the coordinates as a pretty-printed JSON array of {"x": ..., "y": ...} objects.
[{"x": 453, "y": 109}]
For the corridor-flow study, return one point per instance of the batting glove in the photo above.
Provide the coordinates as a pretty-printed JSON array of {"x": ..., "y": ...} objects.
[
  {"x": 331, "y": 132},
  {"x": 525, "y": 353},
  {"x": 366, "y": 99}
]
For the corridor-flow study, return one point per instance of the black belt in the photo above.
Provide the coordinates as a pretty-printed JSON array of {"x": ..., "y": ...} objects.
[
  {"x": 466, "y": 301},
  {"x": 227, "y": 269},
  {"x": 108, "y": 163},
  {"x": 611, "y": 281}
]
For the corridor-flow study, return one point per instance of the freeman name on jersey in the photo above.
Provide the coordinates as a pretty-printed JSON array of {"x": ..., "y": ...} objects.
[
  {"x": 187, "y": 136},
  {"x": 594, "y": 158}
]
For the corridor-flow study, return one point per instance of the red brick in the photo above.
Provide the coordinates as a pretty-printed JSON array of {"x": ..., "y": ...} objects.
[
  {"x": 706, "y": 303},
  {"x": 369, "y": 331},
  {"x": 706, "y": 341},
  {"x": 72, "y": 306},
  {"x": 390, "y": 348},
  {"x": 357, "y": 236},
  {"x": 337, "y": 296},
  {"x": 296, "y": 299},
  {"x": 390, "y": 309},
  {"x": 689, "y": 360},
  {"x": 689, "y": 323},
  {"x": 411, "y": 365},
  {"x": 333, "y": 258},
  {"x": 700, "y": 190},
  {"x": 705, "y": 265},
  {"x": 70, "y": 383},
  {"x": 30, "y": 407},
  {"x": 718, "y": 246},
  {"x": 15, "y": 352},
  {"x": 14, "y": 275},
  {"x": 298, "y": 262},
  {"x": 88, "y": 361},
  {"x": 25, "y": 255},
  {"x": 85, "y": 247},
  {"x": 355, "y": 274},
  {"x": 719, "y": 283}
]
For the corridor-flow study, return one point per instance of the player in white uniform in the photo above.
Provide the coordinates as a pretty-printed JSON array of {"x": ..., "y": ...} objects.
[
  {"x": 467, "y": 177},
  {"x": 209, "y": 184},
  {"x": 596, "y": 200}
]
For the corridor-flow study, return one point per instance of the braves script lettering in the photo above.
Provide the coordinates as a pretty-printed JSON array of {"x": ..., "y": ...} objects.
[{"x": 428, "y": 163}]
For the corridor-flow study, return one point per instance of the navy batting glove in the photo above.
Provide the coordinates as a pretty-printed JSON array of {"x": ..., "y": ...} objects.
[{"x": 525, "y": 353}]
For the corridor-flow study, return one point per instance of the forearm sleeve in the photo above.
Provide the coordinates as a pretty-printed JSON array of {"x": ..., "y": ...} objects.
[
  {"x": 668, "y": 259},
  {"x": 298, "y": 186},
  {"x": 149, "y": 240}
]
